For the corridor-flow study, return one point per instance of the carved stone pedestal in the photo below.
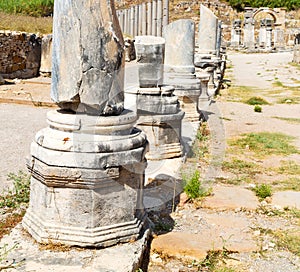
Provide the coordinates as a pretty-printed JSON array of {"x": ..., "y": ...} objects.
[
  {"x": 160, "y": 118},
  {"x": 87, "y": 180}
]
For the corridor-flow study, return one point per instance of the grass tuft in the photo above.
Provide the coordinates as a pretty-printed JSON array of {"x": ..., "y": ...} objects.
[
  {"x": 193, "y": 187},
  {"x": 19, "y": 194},
  {"x": 256, "y": 100},
  {"x": 262, "y": 191},
  {"x": 265, "y": 143}
]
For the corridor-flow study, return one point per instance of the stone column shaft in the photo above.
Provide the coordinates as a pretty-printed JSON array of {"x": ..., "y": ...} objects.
[
  {"x": 154, "y": 17},
  {"x": 144, "y": 19},
  {"x": 165, "y": 13},
  {"x": 179, "y": 69},
  {"x": 149, "y": 18},
  {"x": 159, "y": 18},
  {"x": 132, "y": 23}
]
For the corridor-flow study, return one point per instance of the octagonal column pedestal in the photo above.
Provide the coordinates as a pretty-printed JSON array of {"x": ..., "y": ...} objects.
[
  {"x": 204, "y": 98},
  {"x": 160, "y": 117},
  {"x": 179, "y": 69},
  {"x": 87, "y": 180}
]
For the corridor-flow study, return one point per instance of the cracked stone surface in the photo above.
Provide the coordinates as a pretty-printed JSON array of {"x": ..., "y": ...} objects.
[{"x": 88, "y": 57}]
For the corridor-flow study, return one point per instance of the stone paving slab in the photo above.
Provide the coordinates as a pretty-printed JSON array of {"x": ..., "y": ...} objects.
[
  {"x": 229, "y": 197},
  {"x": 216, "y": 232},
  {"x": 289, "y": 199},
  {"x": 29, "y": 257}
]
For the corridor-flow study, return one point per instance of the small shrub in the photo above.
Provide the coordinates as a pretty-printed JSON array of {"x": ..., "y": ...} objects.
[
  {"x": 262, "y": 191},
  {"x": 192, "y": 186},
  {"x": 257, "y": 108},
  {"x": 256, "y": 101}
]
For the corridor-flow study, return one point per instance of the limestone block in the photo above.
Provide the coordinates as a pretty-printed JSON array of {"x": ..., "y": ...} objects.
[
  {"x": 150, "y": 57},
  {"x": 88, "y": 57}
]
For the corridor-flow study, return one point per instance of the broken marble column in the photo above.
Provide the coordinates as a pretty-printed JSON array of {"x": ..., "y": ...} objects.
[
  {"x": 150, "y": 56},
  {"x": 249, "y": 42},
  {"x": 269, "y": 29},
  {"x": 159, "y": 18},
  {"x": 179, "y": 69},
  {"x": 236, "y": 33},
  {"x": 296, "y": 56},
  {"x": 149, "y": 18},
  {"x": 262, "y": 34},
  {"x": 279, "y": 42},
  {"x": 154, "y": 18},
  {"x": 87, "y": 167},
  {"x": 46, "y": 56},
  {"x": 219, "y": 40},
  {"x": 207, "y": 35},
  {"x": 159, "y": 115},
  {"x": 165, "y": 13}
]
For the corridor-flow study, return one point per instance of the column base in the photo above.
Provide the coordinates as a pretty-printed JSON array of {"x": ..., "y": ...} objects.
[{"x": 87, "y": 181}]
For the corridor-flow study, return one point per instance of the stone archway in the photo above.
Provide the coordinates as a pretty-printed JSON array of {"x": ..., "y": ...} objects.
[{"x": 269, "y": 11}]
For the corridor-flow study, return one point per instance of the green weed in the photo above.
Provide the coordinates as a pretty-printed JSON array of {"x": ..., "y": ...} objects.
[
  {"x": 256, "y": 100},
  {"x": 263, "y": 190},
  {"x": 19, "y": 194},
  {"x": 257, "y": 108},
  {"x": 192, "y": 186}
]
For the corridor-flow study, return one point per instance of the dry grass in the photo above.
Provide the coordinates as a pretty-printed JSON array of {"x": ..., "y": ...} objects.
[{"x": 25, "y": 23}]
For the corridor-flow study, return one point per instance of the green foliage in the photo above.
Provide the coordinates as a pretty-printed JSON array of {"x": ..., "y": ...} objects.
[
  {"x": 263, "y": 190},
  {"x": 257, "y": 108},
  {"x": 192, "y": 186},
  {"x": 241, "y": 4},
  {"x": 256, "y": 101},
  {"x": 20, "y": 193},
  {"x": 30, "y": 7}
]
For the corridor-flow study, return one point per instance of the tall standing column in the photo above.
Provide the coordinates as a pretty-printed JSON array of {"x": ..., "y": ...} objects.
[
  {"x": 154, "y": 17},
  {"x": 132, "y": 23},
  {"x": 159, "y": 18},
  {"x": 179, "y": 69},
  {"x": 80, "y": 192},
  {"x": 249, "y": 41},
  {"x": 165, "y": 13},
  {"x": 140, "y": 20},
  {"x": 144, "y": 19},
  {"x": 149, "y": 18},
  {"x": 235, "y": 40}
]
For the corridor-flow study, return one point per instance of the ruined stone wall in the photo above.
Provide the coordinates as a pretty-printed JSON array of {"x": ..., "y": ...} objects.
[{"x": 20, "y": 54}]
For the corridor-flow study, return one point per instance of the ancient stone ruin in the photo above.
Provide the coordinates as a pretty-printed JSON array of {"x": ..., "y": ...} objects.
[{"x": 88, "y": 166}]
